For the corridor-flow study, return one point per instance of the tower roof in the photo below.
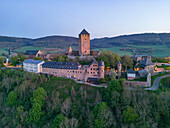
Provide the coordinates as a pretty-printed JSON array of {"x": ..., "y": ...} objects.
[
  {"x": 101, "y": 63},
  {"x": 84, "y": 32},
  {"x": 118, "y": 63}
]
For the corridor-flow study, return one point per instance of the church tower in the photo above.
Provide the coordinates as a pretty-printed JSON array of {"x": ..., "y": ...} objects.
[{"x": 84, "y": 43}]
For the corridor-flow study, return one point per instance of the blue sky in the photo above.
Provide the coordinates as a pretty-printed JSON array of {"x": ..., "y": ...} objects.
[{"x": 102, "y": 18}]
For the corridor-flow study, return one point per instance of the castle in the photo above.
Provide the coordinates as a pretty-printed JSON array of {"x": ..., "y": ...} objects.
[
  {"x": 93, "y": 71},
  {"x": 84, "y": 47}
]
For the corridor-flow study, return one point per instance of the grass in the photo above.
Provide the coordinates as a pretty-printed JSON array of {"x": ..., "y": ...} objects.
[
  {"x": 139, "y": 79},
  {"x": 23, "y": 49},
  {"x": 158, "y": 50},
  {"x": 115, "y": 49},
  {"x": 165, "y": 84},
  {"x": 165, "y": 67}
]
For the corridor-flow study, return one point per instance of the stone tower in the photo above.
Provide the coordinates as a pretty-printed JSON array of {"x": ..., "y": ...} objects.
[
  {"x": 84, "y": 43},
  {"x": 119, "y": 68},
  {"x": 101, "y": 69}
]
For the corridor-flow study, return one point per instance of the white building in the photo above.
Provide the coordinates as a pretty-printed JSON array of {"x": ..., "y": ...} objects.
[
  {"x": 131, "y": 74},
  {"x": 33, "y": 65}
]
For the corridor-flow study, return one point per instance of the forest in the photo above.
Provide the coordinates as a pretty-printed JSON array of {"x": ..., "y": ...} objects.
[{"x": 35, "y": 101}]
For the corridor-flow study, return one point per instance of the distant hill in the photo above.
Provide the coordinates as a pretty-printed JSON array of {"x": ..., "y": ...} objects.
[
  {"x": 135, "y": 39},
  {"x": 156, "y": 44},
  {"x": 65, "y": 41}
]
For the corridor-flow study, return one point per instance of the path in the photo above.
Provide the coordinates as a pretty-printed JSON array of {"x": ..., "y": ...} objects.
[{"x": 156, "y": 82}]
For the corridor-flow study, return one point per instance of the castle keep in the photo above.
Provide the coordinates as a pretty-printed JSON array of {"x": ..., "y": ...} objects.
[
  {"x": 84, "y": 43},
  {"x": 84, "y": 47}
]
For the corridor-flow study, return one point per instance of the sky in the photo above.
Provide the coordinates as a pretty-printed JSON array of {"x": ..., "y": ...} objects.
[{"x": 101, "y": 18}]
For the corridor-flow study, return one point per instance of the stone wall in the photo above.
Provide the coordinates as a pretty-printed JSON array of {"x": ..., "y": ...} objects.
[{"x": 136, "y": 83}]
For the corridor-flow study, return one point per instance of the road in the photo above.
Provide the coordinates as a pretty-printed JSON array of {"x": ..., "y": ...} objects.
[{"x": 156, "y": 82}]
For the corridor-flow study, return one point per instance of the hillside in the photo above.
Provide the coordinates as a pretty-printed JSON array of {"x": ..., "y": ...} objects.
[
  {"x": 28, "y": 100},
  {"x": 149, "y": 43}
]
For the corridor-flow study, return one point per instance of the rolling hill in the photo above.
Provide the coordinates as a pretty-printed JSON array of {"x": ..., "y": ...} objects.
[{"x": 127, "y": 44}]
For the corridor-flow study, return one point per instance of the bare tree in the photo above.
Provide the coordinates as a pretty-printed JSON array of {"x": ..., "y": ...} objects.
[
  {"x": 66, "y": 106},
  {"x": 73, "y": 123}
]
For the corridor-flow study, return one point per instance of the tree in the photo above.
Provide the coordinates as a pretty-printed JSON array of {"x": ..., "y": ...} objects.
[
  {"x": 73, "y": 123},
  {"x": 14, "y": 60},
  {"x": 35, "y": 113},
  {"x": 1, "y": 63},
  {"x": 39, "y": 96},
  {"x": 12, "y": 99},
  {"x": 59, "y": 121},
  {"x": 20, "y": 116},
  {"x": 127, "y": 62},
  {"x": 112, "y": 74},
  {"x": 37, "y": 101},
  {"x": 112, "y": 93},
  {"x": 130, "y": 116},
  {"x": 21, "y": 56},
  {"x": 105, "y": 59},
  {"x": 103, "y": 117},
  {"x": 38, "y": 58},
  {"x": 66, "y": 106}
]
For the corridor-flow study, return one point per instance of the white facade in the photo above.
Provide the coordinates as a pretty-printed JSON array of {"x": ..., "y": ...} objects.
[
  {"x": 131, "y": 76},
  {"x": 33, "y": 65}
]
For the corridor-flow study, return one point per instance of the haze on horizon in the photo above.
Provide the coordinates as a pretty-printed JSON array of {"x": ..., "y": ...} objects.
[{"x": 102, "y": 18}]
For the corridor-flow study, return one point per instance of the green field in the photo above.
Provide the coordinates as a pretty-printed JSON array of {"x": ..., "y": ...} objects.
[
  {"x": 157, "y": 50},
  {"x": 23, "y": 49}
]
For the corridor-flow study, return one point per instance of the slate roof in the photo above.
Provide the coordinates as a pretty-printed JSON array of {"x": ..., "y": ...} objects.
[
  {"x": 31, "y": 52},
  {"x": 33, "y": 61},
  {"x": 131, "y": 71},
  {"x": 84, "y": 32},
  {"x": 147, "y": 62},
  {"x": 60, "y": 65},
  {"x": 143, "y": 73}
]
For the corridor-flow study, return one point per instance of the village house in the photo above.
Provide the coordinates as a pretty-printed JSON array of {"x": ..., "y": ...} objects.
[
  {"x": 138, "y": 58},
  {"x": 33, "y": 53}
]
